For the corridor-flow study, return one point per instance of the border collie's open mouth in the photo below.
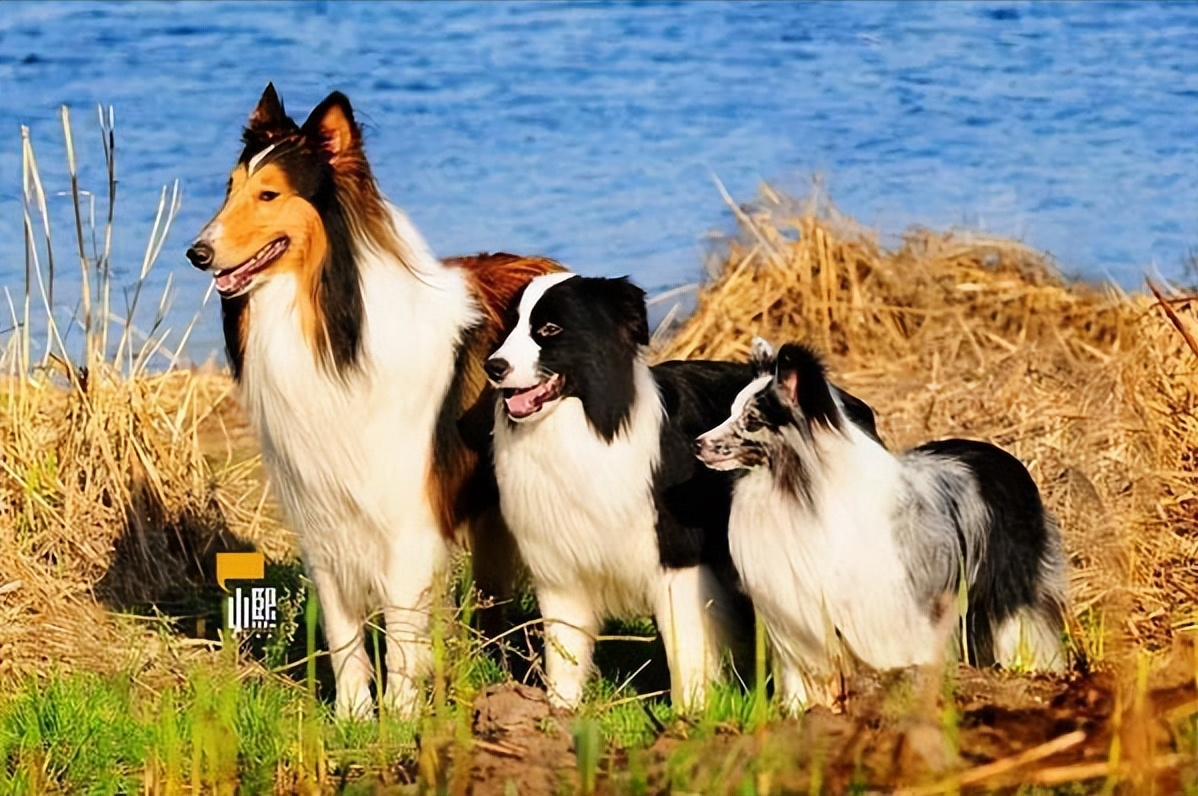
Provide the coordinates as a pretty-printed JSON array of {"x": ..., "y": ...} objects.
[
  {"x": 527, "y": 402},
  {"x": 231, "y": 281}
]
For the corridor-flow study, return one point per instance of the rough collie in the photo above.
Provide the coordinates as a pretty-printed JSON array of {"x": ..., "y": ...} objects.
[
  {"x": 837, "y": 540},
  {"x": 359, "y": 357},
  {"x": 612, "y": 514}
]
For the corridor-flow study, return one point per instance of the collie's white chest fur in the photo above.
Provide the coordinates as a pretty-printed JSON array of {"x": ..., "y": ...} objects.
[
  {"x": 350, "y": 455},
  {"x": 833, "y": 567},
  {"x": 581, "y": 509}
]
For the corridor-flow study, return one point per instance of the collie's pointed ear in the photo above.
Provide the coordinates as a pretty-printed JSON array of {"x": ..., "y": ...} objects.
[
  {"x": 628, "y": 301},
  {"x": 331, "y": 125},
  {"x": 761, "y": 356},
  {"x": 269, "y": 113}
]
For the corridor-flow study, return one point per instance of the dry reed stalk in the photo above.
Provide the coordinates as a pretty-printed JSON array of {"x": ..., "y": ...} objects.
[{"x": 108, "y": 497}]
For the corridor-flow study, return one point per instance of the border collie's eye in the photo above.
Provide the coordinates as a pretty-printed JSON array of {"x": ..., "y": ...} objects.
[
  {"x": 268, "y": 196},
  {"x": 549, "y": 330},
  {"x": 753, "y": 424}
]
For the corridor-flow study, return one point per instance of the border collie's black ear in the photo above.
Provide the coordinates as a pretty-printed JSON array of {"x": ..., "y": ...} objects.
[
  {"x": 332, "y": 127},
  {"x": 269, "y": 113},
  {"x": 628, "y": 302},
  {"x": 761, "y": 356}
]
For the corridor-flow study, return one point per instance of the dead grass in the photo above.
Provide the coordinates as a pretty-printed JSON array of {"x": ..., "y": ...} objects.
[{"x": 108, "y": 499}]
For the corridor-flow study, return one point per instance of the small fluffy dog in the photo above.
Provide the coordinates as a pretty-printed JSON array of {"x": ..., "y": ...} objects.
[
  {"x": 837, "y": 540},
  {"x": 599, "y": 486}
]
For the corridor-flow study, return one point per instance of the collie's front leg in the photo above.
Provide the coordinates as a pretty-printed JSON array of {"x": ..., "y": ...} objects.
[
  {"x": 690, "y": 613},
  {"x": 347, "y": 650},
  {"x": 409, "y": 590},
  {"x": 571, "y": 625}
]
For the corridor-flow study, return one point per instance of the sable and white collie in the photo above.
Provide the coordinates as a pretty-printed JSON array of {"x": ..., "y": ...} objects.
[
  {"x": 837, "y": 540},
  {"x": 598, "y": 484},
  {"x": 359, "y": 356}
]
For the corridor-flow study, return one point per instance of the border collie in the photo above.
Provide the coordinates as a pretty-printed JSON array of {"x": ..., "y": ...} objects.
[
  {"x": 598, "y": 483},
  {"x": 359, "y": 357},
  {"x": 837, "y": 540}
]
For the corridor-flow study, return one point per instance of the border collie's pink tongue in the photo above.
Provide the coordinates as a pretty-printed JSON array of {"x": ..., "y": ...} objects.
[{"x": 527, "y": 402}]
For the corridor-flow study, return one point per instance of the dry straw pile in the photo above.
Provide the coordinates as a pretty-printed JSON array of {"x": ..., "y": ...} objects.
[
  {"x": 956, "y": 334},
  {"x": 109, "y": 496}
]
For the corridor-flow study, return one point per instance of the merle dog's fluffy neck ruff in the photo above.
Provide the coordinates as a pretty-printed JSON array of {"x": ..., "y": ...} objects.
[{"x": 839, "y": 541}]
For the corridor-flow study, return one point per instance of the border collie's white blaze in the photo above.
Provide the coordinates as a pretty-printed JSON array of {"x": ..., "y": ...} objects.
[
  {"x": 611, "y": 513},
  {"x": 838, "y": 540},
  {"x": 358, "y": 353}
]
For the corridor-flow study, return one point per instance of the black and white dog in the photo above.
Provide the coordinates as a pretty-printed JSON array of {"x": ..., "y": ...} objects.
[
  {"x": 598, "y": 482},
  {"x": 834, "y": 537}
]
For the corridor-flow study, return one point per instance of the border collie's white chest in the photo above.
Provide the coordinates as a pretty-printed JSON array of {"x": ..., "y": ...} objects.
[{"x": 581, "y": 509}]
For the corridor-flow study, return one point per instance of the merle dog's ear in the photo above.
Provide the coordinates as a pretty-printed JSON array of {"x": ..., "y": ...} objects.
[
  {"x": 800, "y": 378},
  {"x": 332, "y": 128},
  {"x": 797, "y": 365},
  {"x": 628, "y": 302},
  {"x": 761, "y": 356},
  {"x": 268, "y": 114}
]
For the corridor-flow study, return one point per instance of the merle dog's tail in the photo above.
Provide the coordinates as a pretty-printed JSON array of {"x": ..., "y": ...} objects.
[
  {"x": 1031, "y": 637},
  {"x": 1016, "y": 562}
]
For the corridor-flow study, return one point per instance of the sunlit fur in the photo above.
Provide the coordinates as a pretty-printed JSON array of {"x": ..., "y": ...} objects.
[
  {"x": 358, "y": 354},
  {"x": 851, "y": 553}
]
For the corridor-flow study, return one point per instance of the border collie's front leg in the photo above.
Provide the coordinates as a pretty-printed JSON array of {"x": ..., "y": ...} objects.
[
  {"x": 690, "y": 615},
  {"x": 347, "y": 649},
  {"x": 571, "y": 624},
  {"x": 409, "y": 591}
]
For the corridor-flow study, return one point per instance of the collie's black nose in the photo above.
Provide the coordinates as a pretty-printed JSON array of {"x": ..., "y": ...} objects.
[
  {"x": 497, "y": 369},
  {"x": 201, "y": 255}
]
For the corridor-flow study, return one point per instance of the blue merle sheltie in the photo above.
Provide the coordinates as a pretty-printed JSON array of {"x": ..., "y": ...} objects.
[
  {"x": 359, "y": 358},
  {"x": 599, "y": 485},
  {"x": 841, "y": 543}
]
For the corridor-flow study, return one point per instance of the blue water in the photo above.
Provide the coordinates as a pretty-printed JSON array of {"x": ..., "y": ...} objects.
[{"x": 591, "y": 132}]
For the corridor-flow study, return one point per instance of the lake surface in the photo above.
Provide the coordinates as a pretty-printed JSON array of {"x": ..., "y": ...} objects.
[{"x": 591, "y": 132}]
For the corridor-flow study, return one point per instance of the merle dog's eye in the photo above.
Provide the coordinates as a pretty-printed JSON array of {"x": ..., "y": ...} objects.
[
  {"x": 752, "y": 423},
  {"x": 268, "y": 196},
  {"x": 549, "y": 330}
]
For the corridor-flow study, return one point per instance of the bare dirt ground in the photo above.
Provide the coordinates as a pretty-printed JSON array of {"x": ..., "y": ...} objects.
[{"x": 1004, "y": 732}]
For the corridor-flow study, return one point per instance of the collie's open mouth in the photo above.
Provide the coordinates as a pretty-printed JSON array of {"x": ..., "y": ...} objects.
[
  {"x": 231, "y": 281},
  {"x": 527, "y": 402}
]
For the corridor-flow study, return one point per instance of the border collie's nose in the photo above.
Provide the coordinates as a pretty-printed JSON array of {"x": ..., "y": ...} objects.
[
  {"x": 497, "y": 369},
  {"x": 201, "y": 255}
]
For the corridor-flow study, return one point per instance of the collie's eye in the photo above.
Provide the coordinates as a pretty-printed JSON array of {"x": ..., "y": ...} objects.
[
  {"x": 753, "y": 424},
  {"x": 549, "y": 330},
  {"x": 268, "y": 196}
]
